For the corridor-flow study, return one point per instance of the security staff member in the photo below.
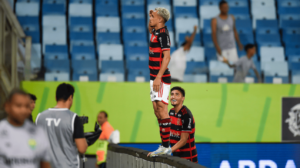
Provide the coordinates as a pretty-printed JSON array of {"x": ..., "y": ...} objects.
[{"x": 64, "y": 129}]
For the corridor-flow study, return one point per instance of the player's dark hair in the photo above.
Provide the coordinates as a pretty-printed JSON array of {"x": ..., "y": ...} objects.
[
  {"x": 249, "y": 46},
  {"x": 180, "y": 89},
  {"x": 222, "y": 2},
  {"x": 104, "y": 112},
  {"x": 15, "y": 92},
  {"x": 32, "y": 96},
  {"x": 64, "y": 91}
]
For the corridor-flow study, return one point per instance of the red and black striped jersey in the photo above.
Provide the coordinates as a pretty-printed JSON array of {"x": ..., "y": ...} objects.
[
  {"x": 159, "y": 42},
  {"x": 183, "y": 122}
]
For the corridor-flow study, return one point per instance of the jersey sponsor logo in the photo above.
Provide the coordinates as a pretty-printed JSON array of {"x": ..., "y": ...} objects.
[
  {"x": 160, "y": 40},
  {"x": 55, "y": 121},
  {"x": 179, "y": 115},
  {"x": 32, "y": 143},
  {"x": 171, "y": 113},
  {"x": 174, "y": 134},
  {"x": 10, "y": 161},
  {"x": 151, "y": 52}
]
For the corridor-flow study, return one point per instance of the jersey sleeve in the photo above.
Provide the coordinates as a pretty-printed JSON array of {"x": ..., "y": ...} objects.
[
  {"x": 78, "y": 128},
  {"x": 187, "y": 121},
  {"x": 164, "y": 41},
  {"x": 45, "y": 147}
]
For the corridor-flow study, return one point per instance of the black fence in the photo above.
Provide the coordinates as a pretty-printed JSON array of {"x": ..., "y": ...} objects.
[{"x": 126, "y": 157}]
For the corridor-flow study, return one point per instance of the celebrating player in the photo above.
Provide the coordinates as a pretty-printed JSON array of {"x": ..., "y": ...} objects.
[
  {"x": 182, "y": 127},
  {"x": 160, "y": 78}
]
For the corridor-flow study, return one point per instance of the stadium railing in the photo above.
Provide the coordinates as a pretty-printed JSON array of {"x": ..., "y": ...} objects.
[
  {"x": 15, "y": 53},
  {"x": 126, "y": 157}
]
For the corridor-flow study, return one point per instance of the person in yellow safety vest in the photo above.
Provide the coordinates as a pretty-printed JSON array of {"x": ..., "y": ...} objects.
[{"x": 107, "y": 130}]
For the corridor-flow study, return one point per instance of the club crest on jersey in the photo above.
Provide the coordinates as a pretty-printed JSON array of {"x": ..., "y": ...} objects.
[
  {"x": 178, "y": 121},
  {"x": 32, "y": 143}
]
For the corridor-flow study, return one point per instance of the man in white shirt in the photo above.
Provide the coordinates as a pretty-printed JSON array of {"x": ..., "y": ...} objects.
[
  {"x": 177, "y": 64},
  {"x": 22, "y": 144}
]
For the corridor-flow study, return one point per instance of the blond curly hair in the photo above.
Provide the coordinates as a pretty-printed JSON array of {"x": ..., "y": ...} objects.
[{"x": 164, "y": 13}]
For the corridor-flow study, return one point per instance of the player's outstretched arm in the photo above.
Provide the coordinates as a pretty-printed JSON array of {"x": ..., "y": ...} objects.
[
  {"x": 190, "y": 40},
  {"x": 183, "y": 139},
  {"x": 45, "y": 164}
]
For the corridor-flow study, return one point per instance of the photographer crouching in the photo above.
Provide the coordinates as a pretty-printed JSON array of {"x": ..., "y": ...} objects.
[{"x": 64, "y": 129}]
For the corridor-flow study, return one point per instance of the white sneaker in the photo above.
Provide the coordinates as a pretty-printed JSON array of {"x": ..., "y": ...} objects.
[{"x": 161, "y": 151}]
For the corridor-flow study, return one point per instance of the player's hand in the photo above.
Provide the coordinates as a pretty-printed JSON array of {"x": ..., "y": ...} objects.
[
  {"x": 156, "y": 84},
  {"x": 225, "y": 60},
  {"x": 195, "y": 28},
  {"x": 150, "y": 12}
]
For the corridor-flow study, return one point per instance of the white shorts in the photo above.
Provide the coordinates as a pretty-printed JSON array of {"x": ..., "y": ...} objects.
[
  {"x": 230, "y": 54},
  {"x": 162, "y": 95}
]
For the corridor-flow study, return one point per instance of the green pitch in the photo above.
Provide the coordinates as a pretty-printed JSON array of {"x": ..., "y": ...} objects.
[{"x": 223, "y": 112}]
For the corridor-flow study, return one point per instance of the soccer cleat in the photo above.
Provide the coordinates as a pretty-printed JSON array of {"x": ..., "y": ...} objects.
[{"x": 161, "y": 151}]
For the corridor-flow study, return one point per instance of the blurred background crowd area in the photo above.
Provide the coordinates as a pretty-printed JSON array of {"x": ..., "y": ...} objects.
[{"x": 107, "y": 40}]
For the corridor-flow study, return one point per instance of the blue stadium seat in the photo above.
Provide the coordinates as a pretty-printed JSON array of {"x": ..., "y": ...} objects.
[
  {"x": 291, "y": 30},
  {"x": 108, "y": 38},
  {"x": 54, "y": 1},
  {"x": 207, "y": 40},
  {"x": 290, "y": 24},
  {"x": 292, "y": 40},
  {"x": 81, "y": 9},
  {"x": 184, "y": 3},
  {"x": 288, "y": 3},
  {"x": 195, "y": 78},
  {"x": 133, "y": 2},
  {"x": 185, "y": 25},
  {"x": 296, "y": 77},
  {"x": 57, "y": 65},
  {"x": 54, "y": 35},
  {"x": 84, "y": 68},
  {"x": 272, "y": 54},
  {"x": 195, "y": 54},
  {"x": 136, "y": 12},
  {"x": 267, "y": 27},
  {"x": 138, "y": 70},
  {"x": 196, "y": 42},
  {"x": 27, "y": 9},
  {"x": 244, "y": 26},
  {"x": 108, "y": 24},
  {"x": 293, "y": 54},
  {"x": 112, "y": 67},
  {"x": 136, "y": 53},
  {"x": 28, "y": 1},
  {"x": 81, "y": 24},
  {"x": 206, "y": 26},
  {"x": 159, "y": 2},
  {"x": 110, "y": 52},
  {"x": 112, "y": 77},
  {"x": 219, "y": 68},
  {"x": 263, "y": 13},
  {"x": 246, "y": 39},
  {"x": 209, "y": 2},
  {"x": 108, "y": 9},
  {"x": 54, "y": 9},
  {"x": 82, "y": 38},
  {"x": 135, "y": 39},
  {"x": 185, "y": 12},
  {"x": 262, "y": 3},
  {"x": 210, "y": 53},
  {"x": 56, "y": 52},
  {"x": 288, "y": 10},
  {"x": 239, "y": 11},
  {"x": 237, "y": 3},
  {"x": 108, "y": 2},
  {"x": 275, "y": 72},
  {"x": 196, "y": 68},
  {"x": 83, "y": 53},
  {"x": 134, "y": 25},
  {"x": 31, "y": 27},
  {"x": 293, "y": 66},
  {"x": 268, "y": 40},
  {"x": 81, "y": 1},
  {"x": 54, "y": 21},
  {"x": 54, "y": 76}
]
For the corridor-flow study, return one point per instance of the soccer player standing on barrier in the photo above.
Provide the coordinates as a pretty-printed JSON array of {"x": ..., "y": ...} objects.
[
  {"x": 182, "y": 127},
  {"x": 22, "y": 144},
  {"x": 160, "y": 77},
  {"x": 64, "y": 129}
]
